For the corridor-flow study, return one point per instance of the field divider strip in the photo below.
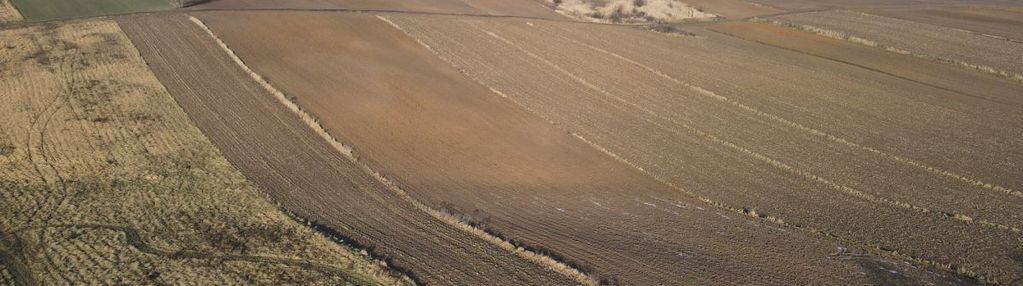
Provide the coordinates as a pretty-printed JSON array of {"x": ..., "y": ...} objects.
[
  {"x": 447, "y": 218},
  {"x": 798, "y": 126},
  {"x": 741, "y": 211},
  {"x": 760, "y": 157}
]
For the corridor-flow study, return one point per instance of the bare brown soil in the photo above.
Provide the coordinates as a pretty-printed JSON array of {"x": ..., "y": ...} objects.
[
  {"x": 812, "y": 143},
  {"x": 104, "y": 180},
  {"x": 305, "y": 174},
  {"x": 460, "y": 146}
]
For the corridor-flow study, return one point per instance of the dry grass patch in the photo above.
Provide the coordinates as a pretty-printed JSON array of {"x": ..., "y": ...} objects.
[
  {"x": 106, "y": 181},
  {"x": 8, "y": 13},
  {"x": 628, "y": 11}
]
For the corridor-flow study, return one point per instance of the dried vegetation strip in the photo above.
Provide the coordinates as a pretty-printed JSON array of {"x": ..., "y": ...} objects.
[
  {"x": 309, "y": 176},
  {"x": 619, "y": 113},
  {"x": 971, "y": 50},
  {"x": 105, "y": 180},
  {"x": 8, "y": 13}
]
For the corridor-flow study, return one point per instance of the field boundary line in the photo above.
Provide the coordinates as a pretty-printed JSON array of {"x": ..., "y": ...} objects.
[
  {"x": 348, "y": 152},
  {"x": 798, "y": 126},
  {"x": 1014, "y": 76},
  {"x": 877, "y": 250}
]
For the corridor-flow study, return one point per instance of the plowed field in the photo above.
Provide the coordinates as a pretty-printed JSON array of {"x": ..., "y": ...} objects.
[
  {"x": 275, "y": 149},
  {"x": 757, "y": 124},
  {"x": 462, "y": 147}
]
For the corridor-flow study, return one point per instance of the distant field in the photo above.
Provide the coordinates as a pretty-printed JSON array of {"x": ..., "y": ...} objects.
[
  {"x": 104, "y": 180},
  {"x": 527, "y": 8},
  {"x": 958, "y": 47},
  {"x": 734, "y": 9},
  {"x": 997, "y": 21},
  {"x": 41, "y": 10},
  {"x": 941, "y": 75}
]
